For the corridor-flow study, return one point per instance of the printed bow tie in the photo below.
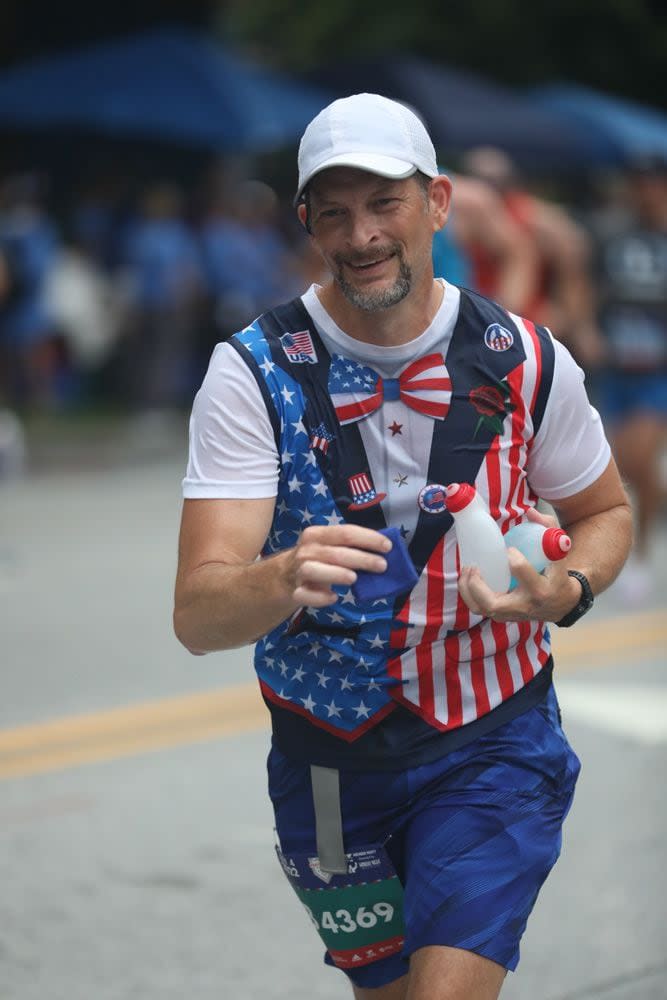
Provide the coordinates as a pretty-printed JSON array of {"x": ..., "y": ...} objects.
[{"x": 357, "y": 390}]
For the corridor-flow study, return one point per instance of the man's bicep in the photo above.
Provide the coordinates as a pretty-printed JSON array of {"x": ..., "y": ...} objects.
[
  {"x": 224, "y": 531},
  {"x": 604, "y": 494}
]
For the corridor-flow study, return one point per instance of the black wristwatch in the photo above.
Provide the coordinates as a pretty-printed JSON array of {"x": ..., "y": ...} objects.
[{"x": 584, "y": 604}]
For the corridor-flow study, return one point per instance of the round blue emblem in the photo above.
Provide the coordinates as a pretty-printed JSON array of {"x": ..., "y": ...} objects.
[
  {"x": 497, "y": 338},
  {"x": 433, "y": 498}
]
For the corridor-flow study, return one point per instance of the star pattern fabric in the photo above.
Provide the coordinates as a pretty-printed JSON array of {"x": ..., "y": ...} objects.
[{"x": 329, "y": 663}]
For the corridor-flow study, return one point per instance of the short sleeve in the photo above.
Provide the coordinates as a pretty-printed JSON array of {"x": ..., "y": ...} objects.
[
  {"x": 232, "y": 448},
  {"x": 570, "y": 450}
]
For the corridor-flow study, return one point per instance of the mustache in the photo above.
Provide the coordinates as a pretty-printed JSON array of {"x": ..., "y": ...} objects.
[{"x": 359, "y": 257}]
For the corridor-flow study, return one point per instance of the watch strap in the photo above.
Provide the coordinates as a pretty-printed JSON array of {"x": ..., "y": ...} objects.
[{"x": 584, "y": 604}]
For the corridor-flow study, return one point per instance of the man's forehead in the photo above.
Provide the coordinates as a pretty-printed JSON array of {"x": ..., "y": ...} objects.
[{"x": 340, "y": 180}]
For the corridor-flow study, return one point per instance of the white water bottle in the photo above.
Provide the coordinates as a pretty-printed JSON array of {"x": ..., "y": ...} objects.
[
  {"x": 539, "y": 545},
  {"x": 479, "y": 538}
]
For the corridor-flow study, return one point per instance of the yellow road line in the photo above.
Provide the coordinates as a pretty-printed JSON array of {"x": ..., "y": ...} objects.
[{"x": 121, "y": 732}]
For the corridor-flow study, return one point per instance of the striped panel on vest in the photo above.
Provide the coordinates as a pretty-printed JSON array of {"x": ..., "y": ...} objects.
[{"x": 456, "y": 666}]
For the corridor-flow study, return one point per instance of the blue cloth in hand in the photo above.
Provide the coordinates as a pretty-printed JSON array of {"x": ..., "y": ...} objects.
[{"x": 399, "y": 576}]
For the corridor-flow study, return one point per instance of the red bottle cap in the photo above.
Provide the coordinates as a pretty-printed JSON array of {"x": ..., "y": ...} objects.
[
  {"x": 556, "y": 544},
  {"x": 459, "y": 495}
]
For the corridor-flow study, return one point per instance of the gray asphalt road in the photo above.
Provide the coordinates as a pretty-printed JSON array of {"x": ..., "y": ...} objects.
[{"x": 152, "y": 875}]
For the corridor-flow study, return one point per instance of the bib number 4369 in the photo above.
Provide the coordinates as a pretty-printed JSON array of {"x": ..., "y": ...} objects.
[{"x": 343, "y": 920}]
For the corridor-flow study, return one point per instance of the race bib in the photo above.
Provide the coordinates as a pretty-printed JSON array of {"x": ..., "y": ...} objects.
[{"x": 359, "y": 915}]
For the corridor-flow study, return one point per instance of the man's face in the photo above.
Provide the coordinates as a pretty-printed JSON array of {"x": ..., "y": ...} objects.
[{"x": 374, "y": 234}]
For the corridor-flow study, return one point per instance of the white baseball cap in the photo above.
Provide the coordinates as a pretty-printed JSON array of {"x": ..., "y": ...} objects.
[{"x": 369, "y": 132}]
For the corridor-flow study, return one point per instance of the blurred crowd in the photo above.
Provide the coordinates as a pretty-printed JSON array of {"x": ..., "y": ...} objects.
[{"x": 122, "y": 301}]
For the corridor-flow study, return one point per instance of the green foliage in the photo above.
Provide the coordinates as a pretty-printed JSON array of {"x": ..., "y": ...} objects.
[{"x": 614, "y": 45}]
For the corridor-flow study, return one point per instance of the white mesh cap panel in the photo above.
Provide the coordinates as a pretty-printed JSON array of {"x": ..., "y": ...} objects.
[{"x": 370, "y": 132}]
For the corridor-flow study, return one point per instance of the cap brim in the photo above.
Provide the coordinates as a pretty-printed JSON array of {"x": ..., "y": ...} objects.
[{"x": 374, "y": 163}]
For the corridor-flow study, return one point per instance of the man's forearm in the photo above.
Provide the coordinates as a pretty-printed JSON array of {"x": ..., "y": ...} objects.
[
  {"x": 221, "y": 606},
  {"x": 600, "y": 545}
]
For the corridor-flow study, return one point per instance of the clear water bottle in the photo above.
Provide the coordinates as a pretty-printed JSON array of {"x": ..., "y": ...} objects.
[
  {"x": 479, "y": 538},
  {"x": 539, "y": 545}
]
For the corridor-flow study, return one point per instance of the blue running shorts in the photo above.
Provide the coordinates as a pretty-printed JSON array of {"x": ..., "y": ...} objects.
[{"x": 472, "y": 836}]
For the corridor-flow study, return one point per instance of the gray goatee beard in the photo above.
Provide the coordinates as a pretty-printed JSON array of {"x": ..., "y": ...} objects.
[{"x": 386, "y": 297}]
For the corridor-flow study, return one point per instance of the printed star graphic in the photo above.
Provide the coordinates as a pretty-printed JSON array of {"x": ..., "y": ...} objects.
[
  {"x": 299, "y": 427},
  {"x": 309, "y": 704},
  {"x": 315, "y": 647},
  {"x": 267, "y": 366},
  {"x": 345, "y": 684},
  {"x": 332, "y": 709},
  {"x": 320, "y": 489},
  {"x": 306, "y": 515},
  {"x": 335, "y": 656},
  {"x": 286, "y": 456},
  {"x": 362, "y": 711},
  {"x": 323, "y": 679},
  {"x": 377, "y": 642},
  {"x": 309, "y": 457},
  {"x": 335, "y": 618},
  {"x": 270, "y": 662},
  {"x": 333, "y": 518},
  {"x": 286, "y": 394},
  {"x": 294, "y": 484},
  {"x": 282, "y": 507},
  {"x": 401, "y": 480},
  {"x": 395, "y": 428},
  {"x": 348, "y": 598},
  {"x": 298, "y": 674},
  {"x": 285, "y": 697},
  {"x": 373, "y": 685},
  {"x": 362, "y": 663},
  {"x": 283, "y": 668}
]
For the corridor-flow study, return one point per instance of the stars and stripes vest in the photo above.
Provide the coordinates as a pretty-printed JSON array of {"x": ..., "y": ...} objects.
[{"x": 347, "y": 666}]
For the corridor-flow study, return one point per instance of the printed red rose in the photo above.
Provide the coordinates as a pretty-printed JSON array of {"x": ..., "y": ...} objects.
[{"x": 488, "y": 400}]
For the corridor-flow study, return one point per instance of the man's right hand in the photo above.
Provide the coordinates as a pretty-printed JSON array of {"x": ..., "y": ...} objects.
[{"x": 330, "y": 555}]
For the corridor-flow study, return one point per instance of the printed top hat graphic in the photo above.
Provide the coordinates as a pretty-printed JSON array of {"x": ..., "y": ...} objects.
[{"x": 363, "y": 492}]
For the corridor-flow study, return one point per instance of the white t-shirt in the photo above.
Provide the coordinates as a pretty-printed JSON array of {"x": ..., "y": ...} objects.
[{"x": 233, "y": 455}]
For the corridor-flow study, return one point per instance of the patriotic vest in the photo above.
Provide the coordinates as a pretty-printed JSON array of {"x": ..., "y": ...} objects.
[{"x": 347, "y": 666}]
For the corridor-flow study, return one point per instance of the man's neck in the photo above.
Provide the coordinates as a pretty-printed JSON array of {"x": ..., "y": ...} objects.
[{"x": 390, "y": 327}]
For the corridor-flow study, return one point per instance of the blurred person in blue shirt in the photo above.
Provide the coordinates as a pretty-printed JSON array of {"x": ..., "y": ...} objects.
[
  {"x": 161, "y": 264},
  {"x": 247, "y": 260},
  {"x": 28, "y": 340}
]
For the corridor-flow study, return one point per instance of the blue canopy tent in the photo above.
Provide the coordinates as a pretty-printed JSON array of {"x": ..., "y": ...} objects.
[
  {"x": 168, "y": 84},
  {"x": 634, "y": 129},
  {"x": 464, "y": 110}
]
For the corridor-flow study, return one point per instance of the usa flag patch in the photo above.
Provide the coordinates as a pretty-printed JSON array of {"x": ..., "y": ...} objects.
[{"x": 299, "y": 347}]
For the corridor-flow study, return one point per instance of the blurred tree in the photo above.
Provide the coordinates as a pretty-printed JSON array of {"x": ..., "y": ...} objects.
[
  {"x": 614, "y": 45},
  {"x": 31, "y": 27}
]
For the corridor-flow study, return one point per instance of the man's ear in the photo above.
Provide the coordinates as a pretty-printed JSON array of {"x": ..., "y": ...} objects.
[
  {"x": 302, "y": 214},
  {"x": 440, "y": 196}
]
